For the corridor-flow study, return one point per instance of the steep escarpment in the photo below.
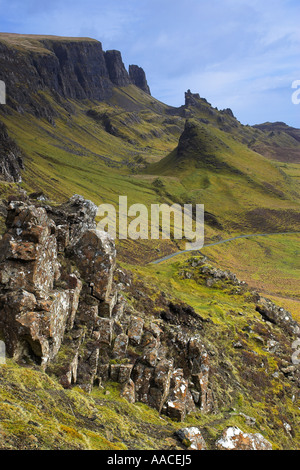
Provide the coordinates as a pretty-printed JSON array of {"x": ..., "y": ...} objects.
[
  {"x": 34, "y": 67},
  {"x": 116, "y": 69}
]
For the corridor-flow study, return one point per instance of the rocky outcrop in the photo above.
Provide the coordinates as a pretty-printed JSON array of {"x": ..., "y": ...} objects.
[
  {"x": 116, "y": 69},
  {"x": 62, "y": 308},
  {"x": 11, "y": 157},
  {"x": 34, "y": 309},
  {"x": 138, "y": 78},
  {"x": 199, "y": 269},
  {"x": 277, "y": 315}
]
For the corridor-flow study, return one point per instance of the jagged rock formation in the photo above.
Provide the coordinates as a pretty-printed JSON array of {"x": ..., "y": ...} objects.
[
  {"x": 61, "y": 308},
  {"x": 138, "y": 77},
  {"x": 11, "y": 157},
  {"x": 116, "y": 69}
]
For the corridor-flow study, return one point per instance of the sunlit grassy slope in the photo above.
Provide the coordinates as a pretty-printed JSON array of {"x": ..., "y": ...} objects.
[{"x": 244, "y": 190}]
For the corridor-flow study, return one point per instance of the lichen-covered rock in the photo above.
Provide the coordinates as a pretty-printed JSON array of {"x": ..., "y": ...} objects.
[
  {"x": 73, "y": 218},
  {"x": 235, "y": 439},
  {"x": 95, "y": 256},
  {"x": 60, "y": 307},
  {"x": 128, "y": 391},
  {"x": 191, "y": 438},
  {"x": 180, "y": 401},
  {"x": 28, "y": 256},
  {"x": 105, "y": 329},
  {"x": 116, "y": 69},
  {"x": 277, "y": 315},
  {"x": 135, "y": 330},
  {"x": 120, "y": 373},
  {"x": 138, "y": 77},
  {"x": 160, "y": 386}
]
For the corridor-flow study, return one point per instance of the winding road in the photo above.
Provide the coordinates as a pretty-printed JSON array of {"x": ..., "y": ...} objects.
[{"x": 158, "y": 261}]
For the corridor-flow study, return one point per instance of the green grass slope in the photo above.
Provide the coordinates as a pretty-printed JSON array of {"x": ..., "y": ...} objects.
[{"x": 244, "y": 190}]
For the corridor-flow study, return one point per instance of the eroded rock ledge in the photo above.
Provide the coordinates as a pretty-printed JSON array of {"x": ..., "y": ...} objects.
[{"x": 62, "y": 310}]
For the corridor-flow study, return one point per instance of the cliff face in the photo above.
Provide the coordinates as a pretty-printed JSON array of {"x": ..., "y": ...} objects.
[
  {"x": 11, "y": 157},
  {"x": 65, "y": 68},
  {"x": 116, "y": 69},
  {"x": 138, "y": 77}
]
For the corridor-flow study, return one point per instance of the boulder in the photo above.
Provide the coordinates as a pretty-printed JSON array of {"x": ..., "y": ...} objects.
[
  {"x": 235, "y": 439},
  {"x": 191, "y": 438}
]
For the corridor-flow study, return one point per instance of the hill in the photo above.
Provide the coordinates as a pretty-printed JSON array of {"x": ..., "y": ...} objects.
[{"x": 92, "y": 324}]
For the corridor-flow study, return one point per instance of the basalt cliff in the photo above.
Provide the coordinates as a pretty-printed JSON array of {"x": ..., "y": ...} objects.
[{"x": 69, "y": 69}]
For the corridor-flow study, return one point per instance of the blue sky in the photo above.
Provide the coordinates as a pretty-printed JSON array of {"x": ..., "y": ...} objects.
[{"x": 242, "y": 54}]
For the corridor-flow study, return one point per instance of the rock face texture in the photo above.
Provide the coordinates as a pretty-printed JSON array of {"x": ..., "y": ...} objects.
[
  {"x": 116, "y": 69},
  {"x": 65, "y": 68},
  {"x": 138, "y": 77},
  {"x": 61, "y": 308},
  {"x": 278, "y": 316},
  {"x": 11, "y": 157},
  {"x": 192, "y": 438}
]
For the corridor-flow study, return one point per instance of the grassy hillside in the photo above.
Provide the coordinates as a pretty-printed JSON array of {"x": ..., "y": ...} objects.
[{"x": 248, "y": 178}]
